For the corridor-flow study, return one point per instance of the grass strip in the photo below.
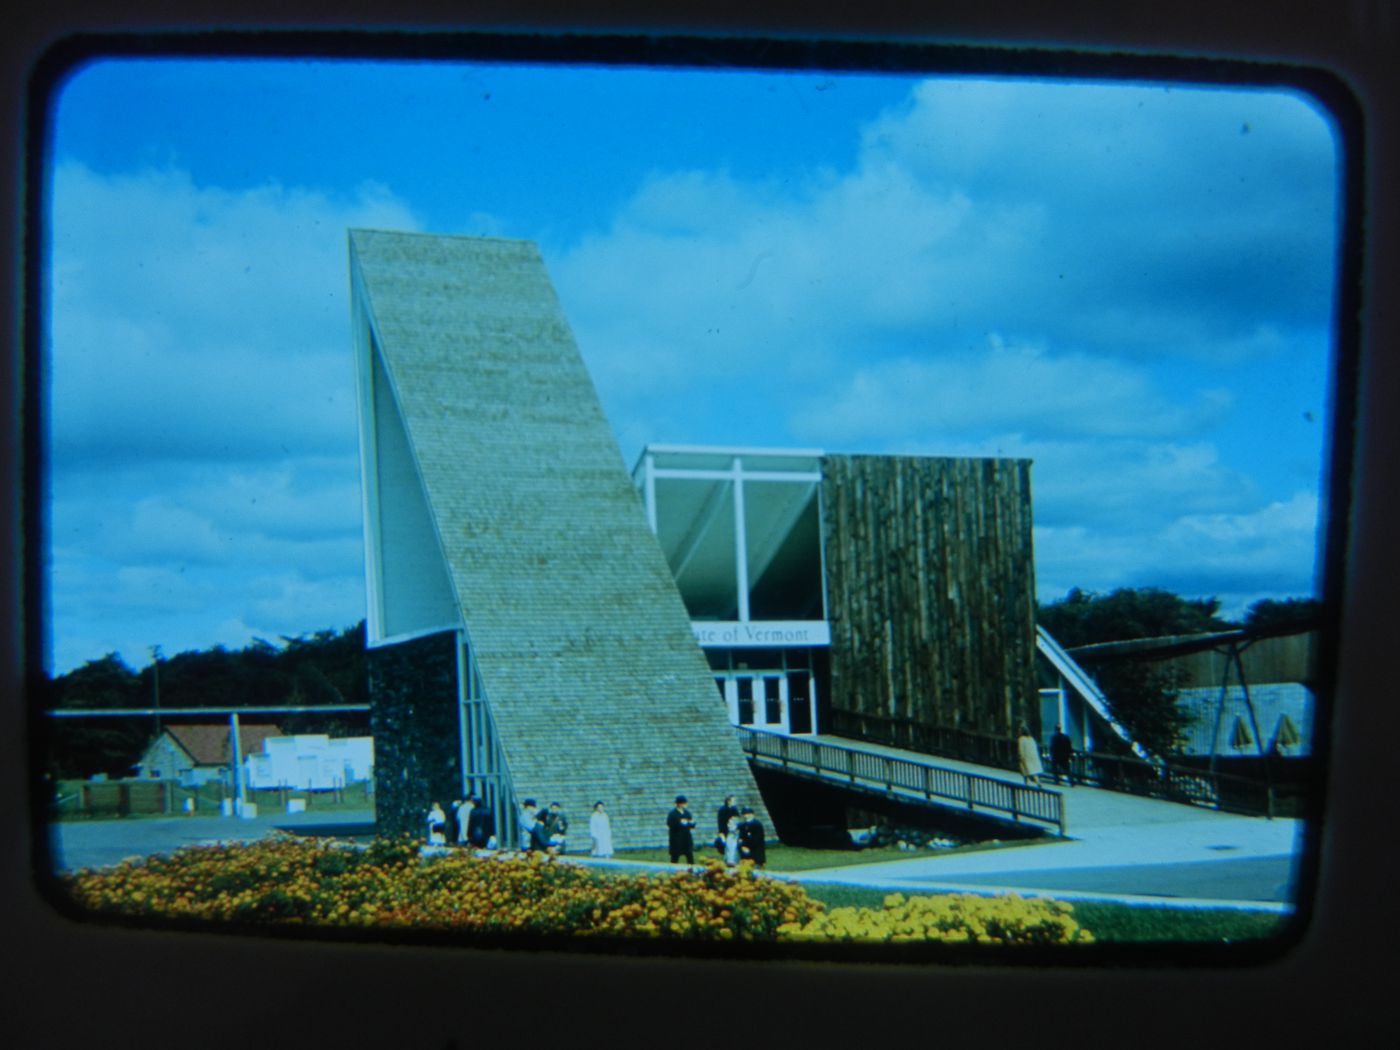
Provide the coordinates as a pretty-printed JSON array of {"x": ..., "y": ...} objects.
[{"x": 1111, "y": 921}]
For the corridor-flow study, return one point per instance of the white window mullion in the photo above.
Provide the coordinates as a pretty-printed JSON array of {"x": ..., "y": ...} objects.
[{"x": 741, "y": 542}]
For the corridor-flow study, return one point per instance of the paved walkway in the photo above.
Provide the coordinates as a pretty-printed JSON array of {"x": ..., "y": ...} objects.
[
  {"x": 1117, "y": 845},
  {"x": 98, "y": 843}
]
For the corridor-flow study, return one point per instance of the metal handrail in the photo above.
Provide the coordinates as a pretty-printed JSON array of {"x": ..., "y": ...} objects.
[
  {"x": 899, "y": 777},
  {"x": 1168, "y": 780}
]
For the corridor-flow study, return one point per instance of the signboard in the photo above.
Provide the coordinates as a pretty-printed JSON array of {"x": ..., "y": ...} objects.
[{"x": 762, "y": 634}]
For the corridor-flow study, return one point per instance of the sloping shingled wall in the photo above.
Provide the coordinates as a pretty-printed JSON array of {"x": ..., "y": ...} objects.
[{"x": 595, "y": 682}]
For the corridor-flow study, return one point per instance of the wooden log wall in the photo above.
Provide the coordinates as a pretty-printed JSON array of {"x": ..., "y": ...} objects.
[{"x": 931, "y": 596}]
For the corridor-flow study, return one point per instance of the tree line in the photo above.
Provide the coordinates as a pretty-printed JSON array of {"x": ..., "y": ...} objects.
[{"x": 329, "y": 667}]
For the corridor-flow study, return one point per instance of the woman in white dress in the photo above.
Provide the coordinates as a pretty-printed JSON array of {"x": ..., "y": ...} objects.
[
  {"x": 731, "y": 843},
  {"x": 600, "y": 830},
  {"x": 1028, "y": 752}
]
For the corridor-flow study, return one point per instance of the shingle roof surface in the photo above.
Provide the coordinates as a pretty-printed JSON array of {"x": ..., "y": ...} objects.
[
  {"x": 211, "y": 745},
  {"x": 596, "y": 685}
]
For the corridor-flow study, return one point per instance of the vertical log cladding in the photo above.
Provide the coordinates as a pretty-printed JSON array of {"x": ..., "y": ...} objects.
[
  {"x": 931, "y": 594},
  {"x": 415, "y": 721}
]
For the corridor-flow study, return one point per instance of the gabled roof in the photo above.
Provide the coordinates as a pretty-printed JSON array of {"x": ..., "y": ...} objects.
[{"x": 212, "y": 745}]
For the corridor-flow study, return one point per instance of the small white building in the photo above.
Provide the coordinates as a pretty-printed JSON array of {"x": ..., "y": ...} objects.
[
  {"x": 197, "y": 754},
  {"x": 311, "y": 762}
]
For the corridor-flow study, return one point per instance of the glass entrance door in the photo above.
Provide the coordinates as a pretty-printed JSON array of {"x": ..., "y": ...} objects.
[{"x": 758, "y": 701}]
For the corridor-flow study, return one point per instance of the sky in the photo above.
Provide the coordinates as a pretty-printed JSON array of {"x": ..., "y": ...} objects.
[{"x": 1130, "y": 284}]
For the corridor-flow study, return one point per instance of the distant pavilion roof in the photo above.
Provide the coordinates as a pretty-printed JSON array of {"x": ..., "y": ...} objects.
[{"x": 1182, "y": 644}]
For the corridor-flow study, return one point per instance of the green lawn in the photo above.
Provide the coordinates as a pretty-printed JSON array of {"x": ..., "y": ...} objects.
[
  {"x": 787, "y": 859},
  {"x": 1112, "y": 923},
  {"x": 1130, "y": 924},
  {"x": 1109, "y": 922}
]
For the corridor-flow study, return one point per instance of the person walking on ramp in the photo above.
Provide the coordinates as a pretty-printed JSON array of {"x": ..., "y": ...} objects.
[
  {"x": 1061, "y": 755},
  {"x": 1028, "y": 756}
]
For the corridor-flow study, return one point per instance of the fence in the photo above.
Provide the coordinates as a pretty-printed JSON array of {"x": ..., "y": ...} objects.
[
  {"x": 983, "y": 749},
  {"x": 126, "y": 798},
  {"x": 902, "y": 778},
  {"x": 1175, "y": 783}
]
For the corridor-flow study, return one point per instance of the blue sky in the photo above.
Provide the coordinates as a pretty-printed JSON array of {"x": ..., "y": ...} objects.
[{"x": 1130, "y": 284}]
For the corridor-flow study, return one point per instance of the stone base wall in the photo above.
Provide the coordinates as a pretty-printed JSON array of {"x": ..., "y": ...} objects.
[{"x": 414, "y": 716}]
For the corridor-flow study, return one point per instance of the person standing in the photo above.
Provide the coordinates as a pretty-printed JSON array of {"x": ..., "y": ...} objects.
[
  {"x": 679, "y": 823},
  {"x": 729, "y": 809},
  {"x": 600, "y": 831},
  {"x": 1028, "y": 756},
  {"x": 463, "y": 810},
  {"x": 1061, "y": 755},
  {"x": 527, "y": 822},
  {"x": 437, "y": 825},
  {"x": 753, "y": 843},
  {"x": 481, "y": 825},
  {"x": 731, "y": 843}
]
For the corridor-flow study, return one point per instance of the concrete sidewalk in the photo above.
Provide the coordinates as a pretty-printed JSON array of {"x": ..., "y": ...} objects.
[
  {"x": 1117, "y": 845},
  {"x": 98, "y": 843},
  {"x": 1123, "y": 848}
]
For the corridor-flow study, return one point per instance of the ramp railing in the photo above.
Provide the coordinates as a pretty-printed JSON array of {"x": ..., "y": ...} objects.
[{"x": 900, "y": 778}]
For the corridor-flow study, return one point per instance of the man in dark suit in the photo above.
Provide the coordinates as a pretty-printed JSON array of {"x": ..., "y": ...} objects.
[
  {"x": 678, "y": 825},
  {"x": 557, "y": 825},
  {"x": 539, "y": 835},
  {"x": 729, "y": 809},
  {"x": 1061, "y": 755},
  {"x": 481, "y": 825},
  {"x": 752, "y": 839}
]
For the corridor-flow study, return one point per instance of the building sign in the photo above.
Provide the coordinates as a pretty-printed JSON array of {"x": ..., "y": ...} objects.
[{"x": 773, "y": 634}]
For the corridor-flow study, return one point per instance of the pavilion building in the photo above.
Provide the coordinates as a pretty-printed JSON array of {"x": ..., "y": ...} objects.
[{"x": 542, "y": 625}]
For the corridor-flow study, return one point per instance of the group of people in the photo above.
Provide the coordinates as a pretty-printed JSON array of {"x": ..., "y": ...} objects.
[
  {"x": 545, "y": 829},
  {"x": 739, "y": 833},
  {"x": 473, "y": 824},
  {"x": 1061, "y": 756}
]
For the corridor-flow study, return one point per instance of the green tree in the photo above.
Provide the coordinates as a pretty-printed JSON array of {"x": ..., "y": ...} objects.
[
  {"x": 1290, "y": 612},
  {"x": 1141, "y": 695},
  {"x": 1085, "y": 618},
  {"x": 81, "y": 747},
  {"x": 325, "y": 667}
]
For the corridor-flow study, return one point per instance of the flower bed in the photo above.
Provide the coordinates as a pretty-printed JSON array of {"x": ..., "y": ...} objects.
[
  {"x": 390, "y": 885},
  {"x": 953, "y": 918}
]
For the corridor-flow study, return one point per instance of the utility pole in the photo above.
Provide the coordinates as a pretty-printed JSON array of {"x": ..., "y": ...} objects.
[
  {"x": 155, "y": 683},
  {"x": 239, "y": 795}
]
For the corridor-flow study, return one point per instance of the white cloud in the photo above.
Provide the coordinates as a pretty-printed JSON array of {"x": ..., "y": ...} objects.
[
  {"x": 202, "y": 413},
  {"x": 1019, "y": 388},
  {"x": 1082, "y": 276},
  {"x": 1264, "y": 552},
  {"x": 1098, "y": 278},
  {"x": 190, "y": 322}
]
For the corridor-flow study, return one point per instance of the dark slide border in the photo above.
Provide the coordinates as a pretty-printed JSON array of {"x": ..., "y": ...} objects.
[{"x": 70, "y": 983}]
